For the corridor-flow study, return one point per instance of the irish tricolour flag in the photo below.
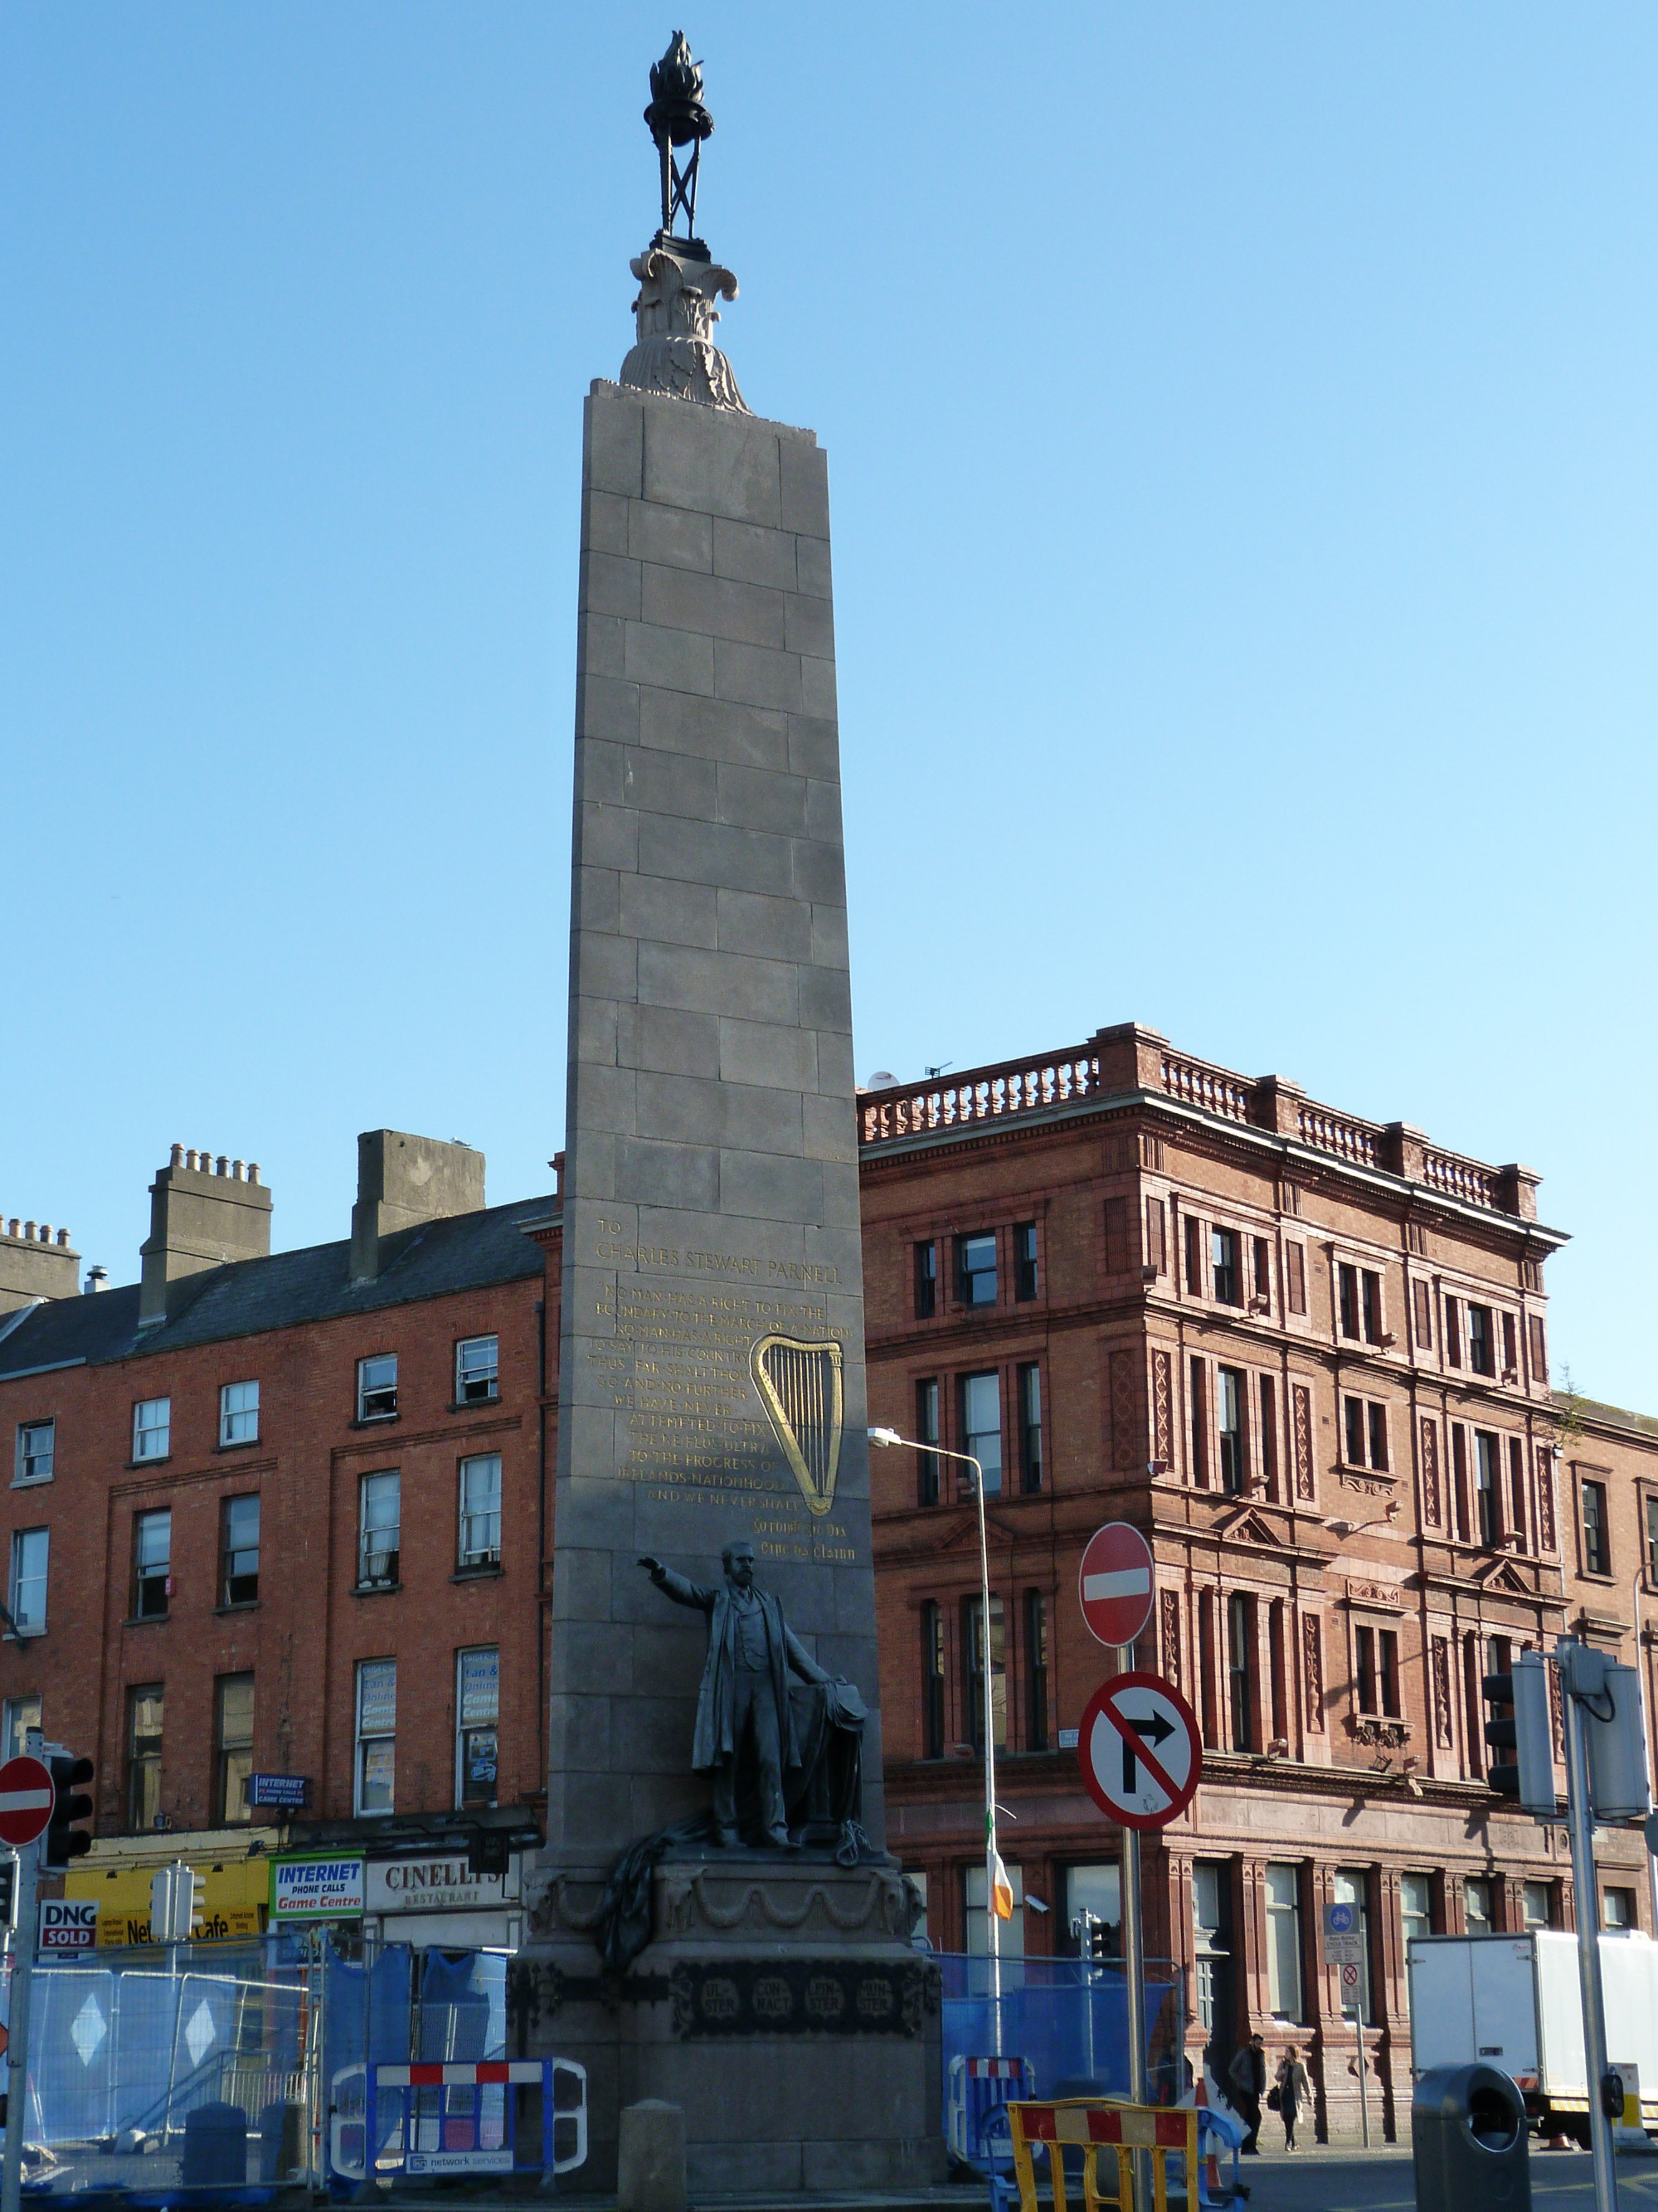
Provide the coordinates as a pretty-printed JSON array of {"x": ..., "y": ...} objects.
[{"x": 1001, "y": 1889}]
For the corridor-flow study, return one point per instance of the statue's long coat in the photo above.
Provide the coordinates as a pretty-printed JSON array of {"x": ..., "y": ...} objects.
[{"x": 713, "y": 1742}]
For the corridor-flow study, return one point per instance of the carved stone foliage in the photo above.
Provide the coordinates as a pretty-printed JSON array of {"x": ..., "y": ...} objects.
[
  {"x": 1430, "y": 1496},
  {"x": 1126, "y": 1450},
  {"x": 674, "y": 350},
  {"x": 1546, "y": 1536},
  {"x": 1301, "y": 1405},
  {"x": 1168, "y": 1635},
  {"x": 695, "y": 1898},
  {"x": 1386, "y": 1735},
  {"x": 1313, "y": 1661},
  {"x": 1162, "y": 1424},
  {"x": 1440, "y": 1668}
]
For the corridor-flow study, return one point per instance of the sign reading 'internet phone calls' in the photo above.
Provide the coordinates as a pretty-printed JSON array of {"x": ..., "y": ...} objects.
[{"x": 316, "y": 1888}]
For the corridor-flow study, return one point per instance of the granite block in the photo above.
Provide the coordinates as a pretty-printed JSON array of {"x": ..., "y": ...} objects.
[
  {"x": 768, "y": 1188},
  {"x": 811, "y": 567},
  {"x": 819, "y": 873},
  {"x": 609, "y": 836},
  {"x": 673, "y": 783},
  {"x": 753, "y": 555},
  {"x": 723, "y": 1114},
  {"x": 814, "y": 748},
  {"x": 604, "y": 522},
  {"x": 674, "y": 535},
  {"x": 829, "y": 938},
  {"x": 610, "y": 586},
  {"x": 755, "y": 677},
  {"x": 825, "y": 998},
  {"x": 668, "y": 1040},
  {"x": 601, "y": 774},
  {"x": 713, "y": 853},
  {"x": 774, "y": 928},
  {"x": 804, "y": 489},
  {"x": 671, "y": 913},
  {"x": 808, "y": 626},
  {"x": 817, "y": 687},
  {"x": 773, "y": 1057},
  {"x": 835, "y": 1073},
  {"x": 718, "y": 730},
  {"x": 607, "y": 1099},
  {"x": 609, "y": 967},
  {"x": 671, "y": 660},
  {"x": 598, "y": 898},
  {"x": 678, "y": 598},
  {"x": 828, "y": 1129},
  {"x": 615, "y": 458},
  {"x": 717, "y": 982},
  {"x": 759, "y": 798},
  {"x": 824, "y": 813},
  {"x": 592, "y": 1031},
  {"x": 600, "y": 646},
  {"x": 713, "y": 462},
  {"x": 607, "y": 707}
]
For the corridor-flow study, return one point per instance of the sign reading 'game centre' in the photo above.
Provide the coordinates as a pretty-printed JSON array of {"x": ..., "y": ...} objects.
[{"x": 316, "y": 1888}]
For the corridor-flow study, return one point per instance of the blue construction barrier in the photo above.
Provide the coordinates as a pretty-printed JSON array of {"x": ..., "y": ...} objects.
[{"x": 1065, "y": 2021}]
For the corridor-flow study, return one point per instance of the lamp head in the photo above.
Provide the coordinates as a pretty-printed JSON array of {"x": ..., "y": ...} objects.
[{"x": 884, "y": 1437}]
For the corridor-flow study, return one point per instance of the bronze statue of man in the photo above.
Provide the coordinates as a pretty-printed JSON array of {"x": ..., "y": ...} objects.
[{"x": 745, "y": 1698}]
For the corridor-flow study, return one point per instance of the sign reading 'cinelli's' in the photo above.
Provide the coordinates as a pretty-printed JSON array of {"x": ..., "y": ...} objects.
[{"x": 442, "y": 1882}]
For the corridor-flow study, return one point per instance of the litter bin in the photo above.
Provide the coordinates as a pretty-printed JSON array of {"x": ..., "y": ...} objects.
[
  {"x": 1470, "y": 2140},
  {"x": 216, "y": 2147}
]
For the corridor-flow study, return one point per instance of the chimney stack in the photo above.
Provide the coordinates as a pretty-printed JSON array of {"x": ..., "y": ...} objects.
[
  {"x": 200, "y": 1218},
  {"x": 35, "y": 1262},
  {"x": 403, "y": 1181}
]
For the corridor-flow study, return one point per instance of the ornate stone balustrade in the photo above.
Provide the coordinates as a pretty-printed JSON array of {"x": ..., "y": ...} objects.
[{"x": 1127, "y": 1058}]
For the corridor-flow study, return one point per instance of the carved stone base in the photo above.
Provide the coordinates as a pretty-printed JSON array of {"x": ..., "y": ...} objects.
[{"x": 780, "y": 2007}]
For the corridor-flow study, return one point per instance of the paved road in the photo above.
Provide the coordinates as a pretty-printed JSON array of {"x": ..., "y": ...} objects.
[{"x": 1323, "y": 2180}]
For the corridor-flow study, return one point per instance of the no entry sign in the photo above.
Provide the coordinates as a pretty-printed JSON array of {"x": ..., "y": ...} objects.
[
  {"x": 25, "y": 1800},
  {"x": 1139, "y": 1750},
  {"x": 1116, "y": 1582}
]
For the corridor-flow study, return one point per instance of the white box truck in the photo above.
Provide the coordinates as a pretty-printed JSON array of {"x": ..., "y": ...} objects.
[{"x": 1513, "y": 2001}]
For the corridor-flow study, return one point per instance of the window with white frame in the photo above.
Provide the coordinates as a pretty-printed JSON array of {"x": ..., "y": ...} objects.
[
  {"x": 152, "y": 1428},
  {"x": 982, "y": 1426},
  {"x": 37, "y": 1442},
  {"x": 477, "y": 1370},
  {"x": 27, "y": 1597},
  {"x": 377, "y": 1734},
  {"x": 379, "y": 1531},
  {"x": 239, "y": 1413},
  {"x": 1536, "y": 1902},
  {"x": 376, "y": 1387},
  {"x": 18, "y": 1716},
  {"x": 1477, "y": 1908},
  {"x": 477, "y": 1713},
  {"x": 152, "y": 1563},
  {"x": 1283, "y": 1942},
  {"x": 480, "y": 1510}
]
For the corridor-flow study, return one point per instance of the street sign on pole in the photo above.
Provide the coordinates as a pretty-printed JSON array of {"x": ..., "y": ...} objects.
[
  {"x": 1115, "y": 1583},
  {"x": 1344, "y": 1939},
  {"x": 26, "y": 1797},
  {"x": 1140, "y": 1757}
]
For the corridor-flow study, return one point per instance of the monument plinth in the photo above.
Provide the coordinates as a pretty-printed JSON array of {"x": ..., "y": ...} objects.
[{"x": 692, "y": 1941}]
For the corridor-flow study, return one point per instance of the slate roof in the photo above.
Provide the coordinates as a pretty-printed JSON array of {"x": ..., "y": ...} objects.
[{"x": 251, "y": 1296}]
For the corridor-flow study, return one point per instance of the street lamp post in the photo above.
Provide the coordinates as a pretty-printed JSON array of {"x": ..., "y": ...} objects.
[{"x": 887, "y": 1439}]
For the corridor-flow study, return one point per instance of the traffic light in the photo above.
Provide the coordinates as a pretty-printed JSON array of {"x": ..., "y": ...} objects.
[
  {"x": 64, "y": 1842},
  {"x": 177, "y": 1899},
  {"x": 1520, "y": 1724},
  {"x": 488, "y": 1851}
]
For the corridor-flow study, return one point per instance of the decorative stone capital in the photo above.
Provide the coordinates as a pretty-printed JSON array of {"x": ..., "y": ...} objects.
[{"x": 674, "y": 315}]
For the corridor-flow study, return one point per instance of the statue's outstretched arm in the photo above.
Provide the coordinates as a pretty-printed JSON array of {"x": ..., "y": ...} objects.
[
  {"x": 802, "y": 1661},
  {"x": 678, "y": 1587}
]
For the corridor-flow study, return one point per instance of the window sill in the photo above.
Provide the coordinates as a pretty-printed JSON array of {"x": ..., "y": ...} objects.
[
  {"x": 1588, "y": 1575},
  {"x": 30, "y": 1481},
  {"x": 137, "y": 1465},
  {"x": 373, "y": 1420},
  {"x": 482, "y": 1574},
  {"x": 474, "y": 1405},
  {"x": 375, "y": 1589},
  {"x": 24, "y": 1635},
  {"x": 242, "y": 1605},
  {"x": 242, "y": 1444},
  {"x": 146, "y": 1620}
]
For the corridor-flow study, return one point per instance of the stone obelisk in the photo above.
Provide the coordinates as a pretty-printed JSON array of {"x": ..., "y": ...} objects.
[{"x": 711, "y": 1380}]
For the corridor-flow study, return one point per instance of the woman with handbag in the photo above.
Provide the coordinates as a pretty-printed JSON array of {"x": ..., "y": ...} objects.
[{"x": 1291, "y": 2090}]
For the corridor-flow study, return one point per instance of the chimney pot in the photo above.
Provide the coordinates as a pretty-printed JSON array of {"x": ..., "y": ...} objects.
[
  {"x": 253, "y": 1171},
  {"x": 46, "y": 1232},
  {"x": 192, "y": 1231},
  {"x": 190, "y": 1159},
  {"x": 235, "y": 1170},
  {"x": 13, "y": 1227},
  {"x": 221, "y": 1165},
  {"x": 63, "y": 1238},
  {"x": 28, "y": 1231},
  {"x": 177, "y": 1160},
  {"x": 97, "y": 1280}
]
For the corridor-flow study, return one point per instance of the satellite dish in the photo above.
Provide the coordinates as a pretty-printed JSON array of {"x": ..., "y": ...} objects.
[{"x": 883, "y": 1079}]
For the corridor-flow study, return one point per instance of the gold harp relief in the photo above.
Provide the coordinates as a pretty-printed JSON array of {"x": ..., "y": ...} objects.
[{"x": 799, "y": 1386}]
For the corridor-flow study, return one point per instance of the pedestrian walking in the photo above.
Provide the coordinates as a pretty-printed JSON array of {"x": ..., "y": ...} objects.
[
  {"x": 1248, "y": 2075},
  {"x": 1293, "y": 2090}
]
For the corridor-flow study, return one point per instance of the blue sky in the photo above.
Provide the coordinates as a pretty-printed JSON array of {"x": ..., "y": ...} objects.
[{"x": 1241, "y": 434}]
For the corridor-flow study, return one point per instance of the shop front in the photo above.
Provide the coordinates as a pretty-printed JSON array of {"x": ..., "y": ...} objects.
[
  {"x": 115, "y": 1877},
  {"x": 433, "y": 1899}
]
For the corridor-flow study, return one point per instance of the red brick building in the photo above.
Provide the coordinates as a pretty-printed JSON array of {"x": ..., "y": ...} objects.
[
  {"x": 288, "y": 1513},
  {"x": 1307, "y": 1355}
]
